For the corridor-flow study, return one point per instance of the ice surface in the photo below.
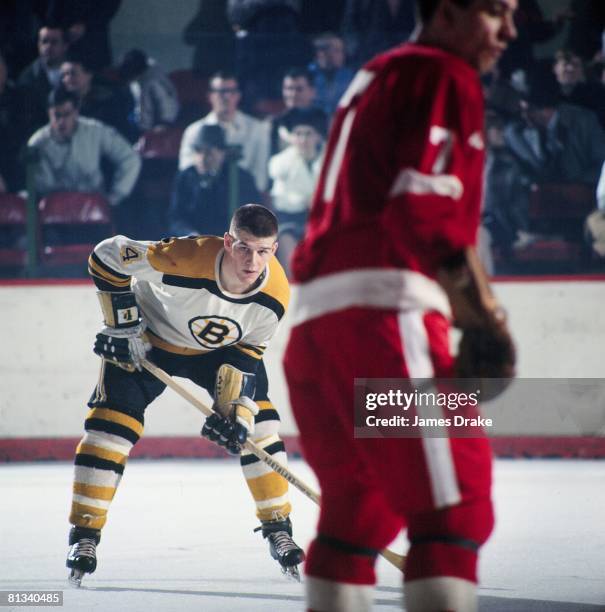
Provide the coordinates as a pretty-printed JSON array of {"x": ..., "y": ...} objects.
[{"x": 179, "y": 537}]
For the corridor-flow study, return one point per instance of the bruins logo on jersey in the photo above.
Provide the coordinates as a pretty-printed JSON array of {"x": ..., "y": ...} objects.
[{"x": 215, "y": 332}]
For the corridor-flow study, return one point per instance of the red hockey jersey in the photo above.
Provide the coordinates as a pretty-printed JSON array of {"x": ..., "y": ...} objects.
[{"x": 400, "y": 188}]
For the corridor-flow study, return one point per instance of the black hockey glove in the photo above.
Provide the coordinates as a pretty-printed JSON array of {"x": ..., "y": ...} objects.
[
  {"x": 225, "y": 432},
  {"x": 234, "y": 411}
]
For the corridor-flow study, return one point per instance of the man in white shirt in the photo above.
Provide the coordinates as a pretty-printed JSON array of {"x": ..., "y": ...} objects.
[
  {"x": 70, "y": 148},
  {"x": 241, "y": 130}
]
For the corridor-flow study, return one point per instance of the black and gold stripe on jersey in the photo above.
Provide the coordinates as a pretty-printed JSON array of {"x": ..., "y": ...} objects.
[
  {"x": 210, "y": 285},
  {"x": 106, "y": 278}
]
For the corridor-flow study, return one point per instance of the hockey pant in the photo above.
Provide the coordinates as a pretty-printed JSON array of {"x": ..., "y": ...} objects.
[
  {"x": 437, "y": 488},
  {"x": 115, "y": 423}
]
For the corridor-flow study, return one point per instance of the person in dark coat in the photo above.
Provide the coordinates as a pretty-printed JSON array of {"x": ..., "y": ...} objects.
[
  {"x": 205, "y": 193},
  {"x": 212, "y": 38},
  {"x": 86, "y": 22}
]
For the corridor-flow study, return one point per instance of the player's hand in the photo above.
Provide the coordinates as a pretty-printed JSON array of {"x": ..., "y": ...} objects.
[
  {"x": 487, "y": 352},
  {"x": 225, "y": 433},
  {"x": 126, "y": 347},
  {"x": 487, "y": 355},
  {"x": 231, "y": 424}
]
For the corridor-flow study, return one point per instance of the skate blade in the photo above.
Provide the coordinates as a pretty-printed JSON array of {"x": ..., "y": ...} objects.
[
  {"x": 291, "y": 573},
  {"x": 75, "y": 577}
]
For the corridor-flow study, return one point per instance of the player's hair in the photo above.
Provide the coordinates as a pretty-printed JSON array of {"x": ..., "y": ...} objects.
[
  {"x": 426, "y": 8},
  {"x": 59, "y": 95},
  {"x": 256, "y": 220}
]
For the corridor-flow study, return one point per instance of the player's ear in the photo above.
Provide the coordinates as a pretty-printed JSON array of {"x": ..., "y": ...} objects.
[
  {"x": 448, "y": 11},
  {"x": 228, "y": 241}
]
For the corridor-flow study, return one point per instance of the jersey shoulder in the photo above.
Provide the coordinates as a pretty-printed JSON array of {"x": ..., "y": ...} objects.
[
  {"x": 277, "y": 287},
  {"x": 191, "y": 257},
  {"x": 412, "y": 66}
]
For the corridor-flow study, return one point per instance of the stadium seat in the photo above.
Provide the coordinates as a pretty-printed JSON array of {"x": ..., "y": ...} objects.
[
  {"x": 159, "y": 151},
  {"x": 557, "y": 212},
  {"x": 13, "y": 230},
  {"x": 193, "y": 95},
  {"x": 160, "y": 144},
  {"x": 561, "y": 201},
  {"x": 269, "y": 107},
  {"x": 70, "y": 224}
]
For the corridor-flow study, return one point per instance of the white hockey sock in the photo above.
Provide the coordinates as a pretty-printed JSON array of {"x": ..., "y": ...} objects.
[
  {"x": 328, "y": 596},
  {"x": 440, "y": 594}
]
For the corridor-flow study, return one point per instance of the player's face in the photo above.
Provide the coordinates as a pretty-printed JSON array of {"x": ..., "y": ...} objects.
[
  {"x": 249, "y": 254},
  {"x": 482, "y": 31}
]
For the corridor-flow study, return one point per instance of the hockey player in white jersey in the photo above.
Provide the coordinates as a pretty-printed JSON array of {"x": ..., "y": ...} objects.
[{"x": 202, "y": 308}]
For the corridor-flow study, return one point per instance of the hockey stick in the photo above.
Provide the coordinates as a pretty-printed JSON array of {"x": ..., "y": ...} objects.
[{"x": 392, "y": 557}]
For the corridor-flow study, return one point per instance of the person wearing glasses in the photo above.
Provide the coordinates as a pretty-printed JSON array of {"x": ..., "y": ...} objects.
[{"x": 241, "y": 130}]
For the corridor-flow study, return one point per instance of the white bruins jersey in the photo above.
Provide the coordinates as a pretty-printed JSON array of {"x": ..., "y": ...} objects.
[{"x": 179, "y": 293}]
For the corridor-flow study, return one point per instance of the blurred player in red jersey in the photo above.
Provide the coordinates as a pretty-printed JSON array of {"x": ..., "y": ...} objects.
[{"x": 395, "y": 215}]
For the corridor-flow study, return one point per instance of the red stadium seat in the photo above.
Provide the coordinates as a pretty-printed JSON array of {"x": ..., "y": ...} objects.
[
  {"x": 562, "y": 201},
  {"x": 70, "y": 224},
  {"x": 193, "y": 95},
  {"x": 13, "y": 230},
  {"x": 269, "y": 107},
  {"x": 557, "y": 212},
  {"x": 160, "y": 144}
]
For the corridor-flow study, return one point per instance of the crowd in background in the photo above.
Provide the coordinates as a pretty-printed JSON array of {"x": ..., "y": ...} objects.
[{"x": 75, "y": 119}]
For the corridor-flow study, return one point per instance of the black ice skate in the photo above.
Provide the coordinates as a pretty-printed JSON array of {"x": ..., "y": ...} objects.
[
  {"x": 282, "y": 547},
  {"x": 82, "y": 555}
]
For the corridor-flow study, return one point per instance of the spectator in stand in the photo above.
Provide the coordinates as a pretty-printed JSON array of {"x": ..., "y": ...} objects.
[
  {"x": 597, "y": 71},
  {"x": 575, "y": 88},
  {"x": 532, "y": 28},
  {"x": 70, "y": 148},
  {"x": 595, "y": 224},
  {"x": 507, "y": 190},
  {"x": 206, "y": 193},
  {"x": 241, "y": 130},
  {"x": 372, "y": 26},
  {"x": 18, "y": 30},
  {"x": 44, "y": 73},
  {"x": 86, "y": 22},
  {"x": 294, "y": 172},
  {"x": 553, "y": 142},
  {"x": 585, "y": 34},
  {"x": 212, "y": 37},
  {"x": 297, "y": 91},
  {"x": 100, "y": 99},
  {"x": 315, "y": 19},
  {"x": 268, "y": 40},
  {"x": 155, "y": 98},
  {"x": 556, "y": 141},
  {"x": 331, "y": 76},
  {"x": 14, "y": 127}
]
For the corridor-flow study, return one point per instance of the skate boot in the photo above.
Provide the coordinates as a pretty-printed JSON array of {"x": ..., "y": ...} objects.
[
  {"x": 82, "y": 555},
  {"x": 282, "y": 547}
]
